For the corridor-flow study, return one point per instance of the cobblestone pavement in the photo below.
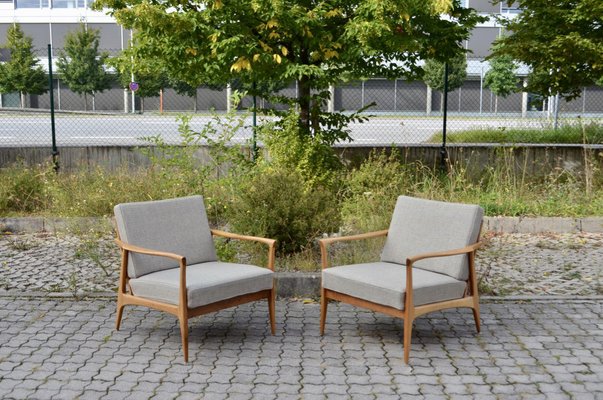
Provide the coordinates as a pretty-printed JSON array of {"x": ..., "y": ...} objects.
[
  {"x": 58, "y": 349},
  {"x": 509, "y": 264}
]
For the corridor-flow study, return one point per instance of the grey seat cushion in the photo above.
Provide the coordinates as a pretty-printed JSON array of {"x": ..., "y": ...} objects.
[
  {"x": 176, "y": 225},
  {"x": 385, "y": 283},
  {"x": 206, "y": 283},
  {"x": 423, "y": 226}
]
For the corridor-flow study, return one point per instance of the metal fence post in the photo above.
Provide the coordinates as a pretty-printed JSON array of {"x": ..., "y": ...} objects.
[
  {"x": 443, "y": 152},
  {"x": 55, "y": 151}
]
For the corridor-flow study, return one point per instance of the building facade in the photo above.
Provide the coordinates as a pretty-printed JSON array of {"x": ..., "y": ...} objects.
[{"x": 48, "y": 21}]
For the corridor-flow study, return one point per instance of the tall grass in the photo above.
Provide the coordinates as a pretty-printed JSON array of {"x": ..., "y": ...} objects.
[{"x": 565, "y": 134}]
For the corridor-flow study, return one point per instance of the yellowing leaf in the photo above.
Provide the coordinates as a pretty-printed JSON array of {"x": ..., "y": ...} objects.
[
  {"x": 277, "y": 58},
  {"x": 331, "y": 54},
  {"x": 273, "y": 35},
  {"x": 284, "y": 51},
  {"x": 217, "y": 4},
  {"x": 256, "y": 57},
  {"x": 441, "y": 6},
  {"x": 265, "y": 47},
  {"x": 191, "y": 51},
  {"x": 241, "y": 64},
  {"x": 214, "y": 37},
  {"x": 333, "y": 13},
  {"x": 272, "y": 23}
]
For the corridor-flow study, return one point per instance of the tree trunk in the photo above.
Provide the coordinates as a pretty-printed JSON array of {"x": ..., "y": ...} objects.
[
  {"x": 93, "y": 101},
  {"x": 22, "y": 99},
  {"x": 85, "y": 101},
  {"x": 442, "y": 102},
  {"x": 495, "y": 104},
  {"x": 303, "y": 99},
  {"x": 142, "y": 105},
  {"x": 195, "y": 104}
]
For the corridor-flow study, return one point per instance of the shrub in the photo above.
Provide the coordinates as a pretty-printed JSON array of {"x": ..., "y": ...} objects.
[
  {"x": 289, "y": 146},
  {"x": 24, "y": 189},
  {"x": 371, "y": 192},
  {"x": 275, "y": 203}
]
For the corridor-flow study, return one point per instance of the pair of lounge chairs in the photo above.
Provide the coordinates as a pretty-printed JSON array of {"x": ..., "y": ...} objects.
[{"x": 169, "y": 263}]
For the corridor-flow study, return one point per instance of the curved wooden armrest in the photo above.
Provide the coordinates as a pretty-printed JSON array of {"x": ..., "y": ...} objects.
[
  {"x": 229, "y": 235},
  {"x": 270, "y": 242},
  {"x": 446, "y": 253},
  {"x": 360, "y": 236},
  {"x": 150, "y": 252},
  {"x": 327, "y": 241}
]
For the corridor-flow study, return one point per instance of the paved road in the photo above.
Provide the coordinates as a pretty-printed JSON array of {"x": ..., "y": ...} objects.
[
  {"x": 59, "y": 348},
  {"x": 53, "y": 349},
  {"x": 79, "y": 130}
]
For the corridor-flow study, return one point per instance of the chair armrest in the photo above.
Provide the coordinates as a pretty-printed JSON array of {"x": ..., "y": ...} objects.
[
  {"x": 327, "y": 241},
  {"x": 150, "y": 252},
  {"x": 270, "y": 242},
  {"x": 229, "y": 235},
  {"x": 446, "y": 253}
]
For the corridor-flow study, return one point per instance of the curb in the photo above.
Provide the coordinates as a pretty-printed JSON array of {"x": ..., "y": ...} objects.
[{"x": 491, "y": 224}]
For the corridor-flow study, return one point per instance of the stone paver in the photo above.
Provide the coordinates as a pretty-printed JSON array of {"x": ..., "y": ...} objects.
[{"x": 52, "y": 348}]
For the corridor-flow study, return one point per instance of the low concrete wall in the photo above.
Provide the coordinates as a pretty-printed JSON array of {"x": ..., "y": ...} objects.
[{"x": 533, "y": 160}]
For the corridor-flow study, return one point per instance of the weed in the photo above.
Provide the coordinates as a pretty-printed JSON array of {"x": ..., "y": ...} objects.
[{"x": 20, "y": 244}]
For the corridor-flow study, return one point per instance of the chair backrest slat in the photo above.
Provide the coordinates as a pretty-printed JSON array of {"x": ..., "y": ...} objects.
[
  {"x": 423, "y": 226},
  {"x": 176, "y": 225}
]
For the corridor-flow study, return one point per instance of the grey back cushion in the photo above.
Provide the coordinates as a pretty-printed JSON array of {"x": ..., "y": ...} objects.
[
  {"x": 422, "y": 226},
  {"x": 177, "y": 226}
]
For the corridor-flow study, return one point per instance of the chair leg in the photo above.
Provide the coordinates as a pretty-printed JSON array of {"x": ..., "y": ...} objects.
[
  {"x": 476, "y": 317},
  {"x": 324, "y": 302},
  {"x": 271, "y": 310},
  {"x": 120, "y": 312},
  {"x": 407, "y": 337},
  {"x": 184, "y": 335}
]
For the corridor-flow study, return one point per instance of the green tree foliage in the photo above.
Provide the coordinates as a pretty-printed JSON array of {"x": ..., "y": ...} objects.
[
  {"x": 434, "y": 73},
  {"x": 501, "y": 78},
  {"x": 148, "y": 73},
  {"x": 315, "y": 43},
  {"x": 81, "y": 65},
  {"x": 21, "y": 73},
  {"x": 560, "y": 40}
]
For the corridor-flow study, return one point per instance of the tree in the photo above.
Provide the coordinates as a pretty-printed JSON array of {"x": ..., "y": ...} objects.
[
  {"x": 434, "y": 74},
  {"x": 501, "y": 78},
  {"x": 81, "y": 65},
  {"x": 149, "y": 74},
  {"x": 21, "y": 73},
  {"x": 561, "y": 42},
  {"x": 315, "y": 43}
]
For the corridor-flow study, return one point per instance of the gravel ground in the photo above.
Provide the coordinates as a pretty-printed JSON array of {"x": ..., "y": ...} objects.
[{"x": 510, "y": 264}]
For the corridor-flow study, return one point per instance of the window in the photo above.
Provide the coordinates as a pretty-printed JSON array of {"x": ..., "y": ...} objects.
[
  {"x": 507, "y": 8},
  {"x": 31, "y": 3}
]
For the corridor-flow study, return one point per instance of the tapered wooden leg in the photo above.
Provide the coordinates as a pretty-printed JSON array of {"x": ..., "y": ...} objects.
[
  {"x": 324, "y": 302},
  {"x": 184, "y": 335},
  {"x": 476, "y": 317},
  {"x": 407, "y": 337},
  {"x": 120, "y": 312},
  {"x": 272, "y": 310}
]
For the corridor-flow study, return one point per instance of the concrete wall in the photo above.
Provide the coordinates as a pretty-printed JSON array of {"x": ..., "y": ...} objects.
[{"x": 535, "y": 160}]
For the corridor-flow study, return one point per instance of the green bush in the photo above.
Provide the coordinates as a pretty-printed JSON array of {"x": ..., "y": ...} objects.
[
  {"x": 289, "y": 146},
  {"x": 275, "y": 203},
  {"x": 371, "y": 192},
  {"x": 24, "y": 189}
]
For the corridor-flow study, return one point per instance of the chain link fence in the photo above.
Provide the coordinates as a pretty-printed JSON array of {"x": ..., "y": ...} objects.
[{"x": 403, "y": 112}]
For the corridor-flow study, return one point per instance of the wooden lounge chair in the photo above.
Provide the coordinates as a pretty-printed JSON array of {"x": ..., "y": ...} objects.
[
  {"x": 169, "y": 263},
  {"x": 427, "y": 264}
]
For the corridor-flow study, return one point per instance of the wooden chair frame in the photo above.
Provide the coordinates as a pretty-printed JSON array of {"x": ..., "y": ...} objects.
[
  {"x": 125, "y": 295},
  {"x": 410, "y": 312}
]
